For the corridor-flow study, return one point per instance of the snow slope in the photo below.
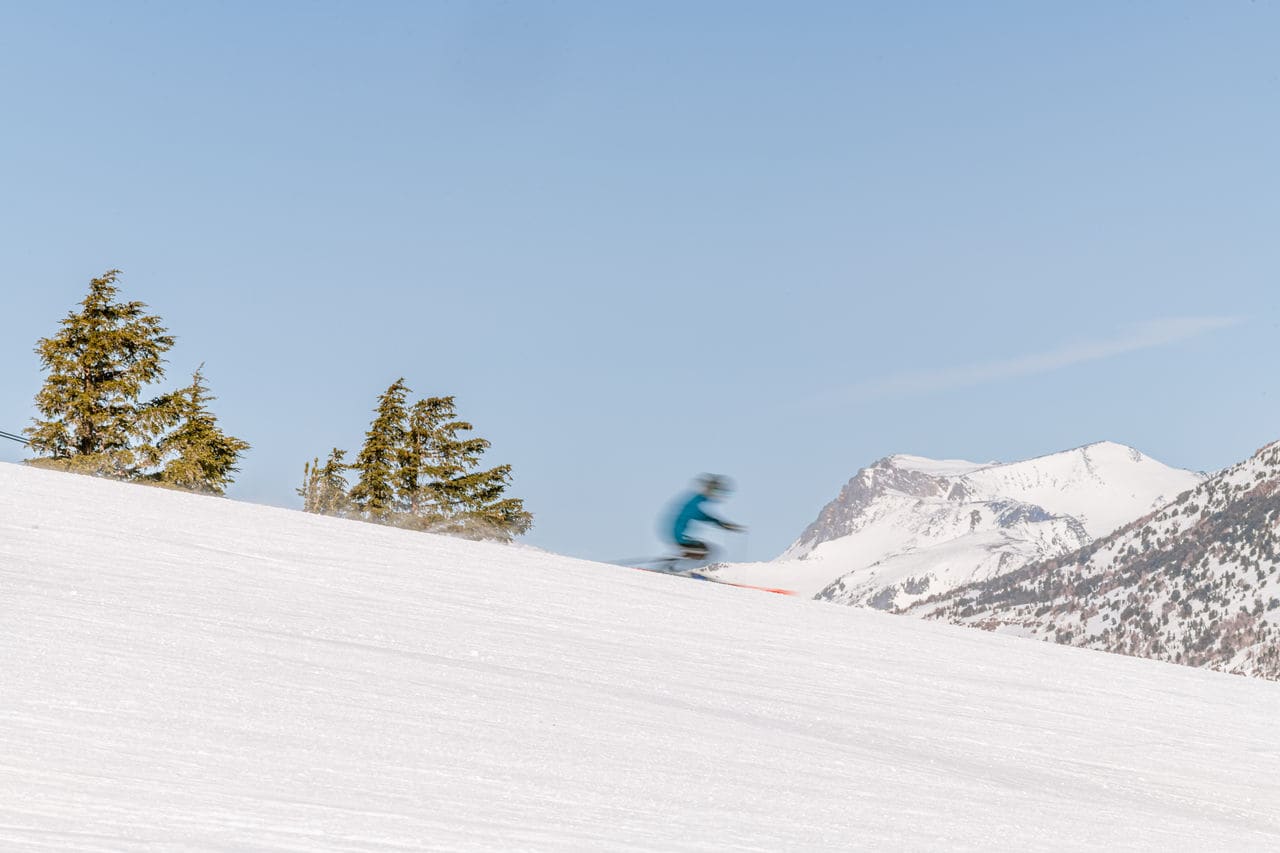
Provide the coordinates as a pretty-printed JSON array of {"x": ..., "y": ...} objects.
[
  {"x": 907, "y": 527},
  {"x": 187, "y": 673}
]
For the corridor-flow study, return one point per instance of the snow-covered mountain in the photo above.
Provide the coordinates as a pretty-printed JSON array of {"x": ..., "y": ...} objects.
[
  {"x": 191, "y": 673},
  {"x": 1197, "y": 582},
  {"x": 907, "y": 528}
]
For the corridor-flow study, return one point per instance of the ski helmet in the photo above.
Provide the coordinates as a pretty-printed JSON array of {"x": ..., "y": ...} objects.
[{"x": 716, "y": 484}]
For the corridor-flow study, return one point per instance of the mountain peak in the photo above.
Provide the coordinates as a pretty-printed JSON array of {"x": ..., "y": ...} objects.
[
  {"x": 1112, "y": 449},
  {"x": 909, "y": 526},
  {"x": 1109, "y": 451},
  {"x": 1195, "y": 582},
  {"x": 938, "y": 467}
]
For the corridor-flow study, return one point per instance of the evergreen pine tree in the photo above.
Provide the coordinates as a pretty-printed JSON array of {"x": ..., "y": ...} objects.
[
  {"x": 487, "y": 514},
  {"x": 196, "y": 455},
  {"x": 99, "y": 362},
  {"x": 432, "y": 455},
  {"x": 324, "y": 487},
  {"x": 441, "y": 486},
  {"x": 418, "y": 469},
  {"x": 380, "y": 458}
]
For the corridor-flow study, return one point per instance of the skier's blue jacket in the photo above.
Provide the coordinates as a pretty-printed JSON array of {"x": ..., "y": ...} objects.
[{"x": 689, "y": 513}]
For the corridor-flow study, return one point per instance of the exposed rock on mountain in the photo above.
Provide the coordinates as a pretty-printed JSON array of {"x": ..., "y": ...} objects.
[{"x": 1197, "y": 582}]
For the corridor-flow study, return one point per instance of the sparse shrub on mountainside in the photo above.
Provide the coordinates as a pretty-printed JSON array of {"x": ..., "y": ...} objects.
[{"x": 93, "y": 417}]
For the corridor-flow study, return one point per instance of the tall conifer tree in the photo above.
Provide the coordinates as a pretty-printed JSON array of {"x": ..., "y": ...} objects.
[
  {"x": 446, "y": 491},
  {"x": 99, "y": 362},
  {"x": 379, "y": 459},
  {"x": 433, "y": 454},
  {"x": 196, "y": 455}
]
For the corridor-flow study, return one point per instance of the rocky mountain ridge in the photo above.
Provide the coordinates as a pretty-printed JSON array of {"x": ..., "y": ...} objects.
[{"x": 1196, "y": 582}]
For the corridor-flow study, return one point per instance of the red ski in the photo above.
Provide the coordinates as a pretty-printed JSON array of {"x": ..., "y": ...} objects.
[{"x": 774, "y": 590}]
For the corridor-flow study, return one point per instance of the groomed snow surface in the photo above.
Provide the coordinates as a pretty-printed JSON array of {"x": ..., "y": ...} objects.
[{"x": 186, "y": 673}]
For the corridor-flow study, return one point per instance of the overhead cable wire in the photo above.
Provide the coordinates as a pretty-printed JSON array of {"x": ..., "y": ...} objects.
[{"x": 13, "y": 437}]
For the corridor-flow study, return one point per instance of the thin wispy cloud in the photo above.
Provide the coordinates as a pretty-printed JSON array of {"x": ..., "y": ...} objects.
[{"x": 1147, "y": 335}]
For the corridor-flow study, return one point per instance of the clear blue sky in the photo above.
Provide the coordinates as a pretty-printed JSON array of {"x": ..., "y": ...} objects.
[{"x": 638, "y": 241}]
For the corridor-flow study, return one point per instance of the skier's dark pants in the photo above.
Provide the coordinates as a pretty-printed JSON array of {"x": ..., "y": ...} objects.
[{"x": 693, "y": 549}]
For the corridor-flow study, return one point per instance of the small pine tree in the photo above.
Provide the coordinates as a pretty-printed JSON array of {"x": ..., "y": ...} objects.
[
  {"x": 324, "y": 487},
  {"x": 309, "y": 491},
  {"x": 374, "y": 494},
  {"x": 196, "y": 455},
  {"x": 99, "y": 362}
]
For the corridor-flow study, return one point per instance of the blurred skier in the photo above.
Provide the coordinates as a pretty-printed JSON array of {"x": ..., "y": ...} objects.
[{"x": 711, "y": 488}]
